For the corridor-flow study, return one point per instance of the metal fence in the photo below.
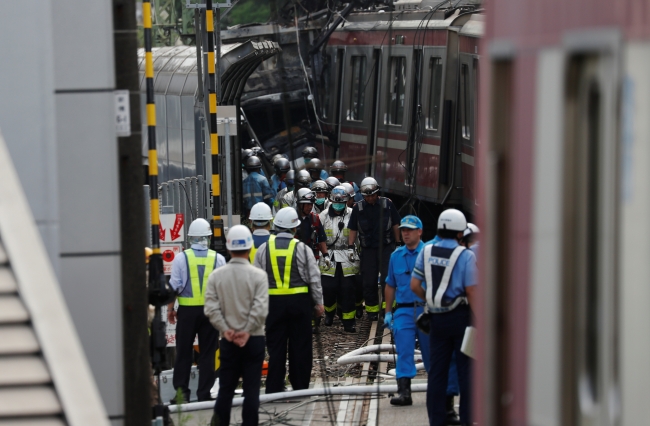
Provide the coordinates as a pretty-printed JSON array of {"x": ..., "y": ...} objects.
[{"x": 186, "y": 196}]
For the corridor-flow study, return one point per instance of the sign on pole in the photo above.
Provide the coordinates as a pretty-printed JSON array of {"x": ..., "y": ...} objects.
[{"x": 171, "y": 228}]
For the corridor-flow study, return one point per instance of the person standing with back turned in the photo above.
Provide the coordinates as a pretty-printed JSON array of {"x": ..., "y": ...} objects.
[
  {"x": 294, "y": 292},
  {"x": 189, "y": 279},
  {"x": 445, "y": 277},
  {"x": 237, "y": 303}
]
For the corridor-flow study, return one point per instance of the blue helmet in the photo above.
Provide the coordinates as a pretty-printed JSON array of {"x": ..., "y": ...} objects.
[{"x": 411, "y": 222}]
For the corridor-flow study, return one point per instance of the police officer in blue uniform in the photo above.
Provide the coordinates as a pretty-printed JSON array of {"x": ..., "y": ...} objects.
[
  {"x": 445, "y": 277},
  {"x": 189, "y": 279},
  {"x": 376, "y": 221},
  {"x": 407, "y": 309},
  {"x": 281, "y": 166}
]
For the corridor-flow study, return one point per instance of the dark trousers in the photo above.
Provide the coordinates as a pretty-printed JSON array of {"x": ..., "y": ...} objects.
[
  {"x": 288, "y": 325},
  {"x": 190, "y": 322},
  {"x": 372, "y": 263},
  {"x": 339, "y": 292},
  {"x": 445, "y": 337},
  {"x": 239, "y": 362},
  {"x": 358, "y": 290}
]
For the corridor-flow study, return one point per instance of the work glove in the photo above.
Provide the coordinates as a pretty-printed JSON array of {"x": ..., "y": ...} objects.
[
  {"x": 351, "y": 254},
  {"x": 388, "y": 320},
  {"x": 327, "y": 261}
]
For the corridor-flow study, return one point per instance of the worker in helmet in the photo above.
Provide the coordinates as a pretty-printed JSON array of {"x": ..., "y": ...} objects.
[
  {"x": 237, "y": 304},
  {"x": 445, "y": 277},
  {"x": 358, "y": 282},
  {"x": 375, "y": 221},
  {"x": 338, "y": 277},
  {"x": 295, "y": 295},
  {"x": 321, "y": 190},
  {"x": 189, "y": 280},
  {"x": 302, "y": 180},
  {"x": 255, "y": 187},
  {"x": 281, "y": 166},
  {"x": 280, "y": 199},
  {"x": 260, "y": 218},
  {"x": 338, "y": 169},
  {"x": 315, "y": 169},
  {"x": 309, "y": 154},
  {"x": 406, "y": 309}
]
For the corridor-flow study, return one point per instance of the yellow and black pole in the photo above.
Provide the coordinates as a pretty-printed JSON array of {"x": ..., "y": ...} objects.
[
  {"x": 159, "y": 293},
  {"x": 217, "y": 223}
]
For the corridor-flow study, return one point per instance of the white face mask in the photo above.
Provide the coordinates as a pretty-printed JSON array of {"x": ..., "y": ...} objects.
[{"x": 204, "y": 242}]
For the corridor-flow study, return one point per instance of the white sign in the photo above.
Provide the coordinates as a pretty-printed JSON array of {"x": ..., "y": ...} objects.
[
  {"x": 169, "y": 252},
  {"x": 171, "y": 228},
  {"x": 170, "y": 331},
  {"x": 122, "y": 113},
  {"x": 227, "y": 114}
]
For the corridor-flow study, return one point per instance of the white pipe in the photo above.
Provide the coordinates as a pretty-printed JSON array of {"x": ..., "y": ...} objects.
[
  {"x": 338, "y": 390},
  {"x": 371, "y": 358},
  {"x": 419, "y": 366}
]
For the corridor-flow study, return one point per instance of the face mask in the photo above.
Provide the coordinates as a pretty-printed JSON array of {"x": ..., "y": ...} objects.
[
  {"x": 307, "y": 160},
  {"x": 320, "y": 201},
  {"x": 201, "y": 241},
  {"x": 338, "y": 206},
  {"x": 289, "y": 188}
]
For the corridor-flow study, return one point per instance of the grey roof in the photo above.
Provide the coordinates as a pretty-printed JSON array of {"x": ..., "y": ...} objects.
[{"x": 44, "y": 376}]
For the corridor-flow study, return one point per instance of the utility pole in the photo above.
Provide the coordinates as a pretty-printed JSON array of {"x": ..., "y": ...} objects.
[{"x": 135, "y": 338}]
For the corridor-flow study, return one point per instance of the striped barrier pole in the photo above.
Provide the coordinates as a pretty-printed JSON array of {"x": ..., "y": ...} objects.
[{"x": 217, "y": 222}]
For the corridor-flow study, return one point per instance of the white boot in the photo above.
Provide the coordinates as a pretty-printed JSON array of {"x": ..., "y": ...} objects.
[{"x": 215, "y": 389}]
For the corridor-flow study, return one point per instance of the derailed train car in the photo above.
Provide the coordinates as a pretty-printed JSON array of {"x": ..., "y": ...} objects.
[{"x": 391, "y": 92}]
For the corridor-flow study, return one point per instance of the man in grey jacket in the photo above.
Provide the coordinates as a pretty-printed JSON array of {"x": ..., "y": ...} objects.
[{"x": 237, "y": 303}]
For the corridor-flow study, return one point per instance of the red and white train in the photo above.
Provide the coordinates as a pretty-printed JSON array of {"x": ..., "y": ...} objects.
[{"x": 564, "y": 200}]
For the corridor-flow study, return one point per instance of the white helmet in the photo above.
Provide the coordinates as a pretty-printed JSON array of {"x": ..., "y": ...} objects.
[
  {"x": 452, "y": 220},
  {"x": 199, "y": 228},
  {"x": 239, "y": 237},
  {"x": 471, "y": 229},
  {"x": 260, "y": 212},
  {"x": 369, "y": 186},
  {"x": 349, "y": 189},
  {"x": 286, "y": 218}
]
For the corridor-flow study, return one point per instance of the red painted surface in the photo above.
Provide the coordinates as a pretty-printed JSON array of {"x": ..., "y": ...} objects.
[
  {"x": 468, "y": 45},
  {"x": 428, "y": 170},
  {"x": 383, "y": 38}
]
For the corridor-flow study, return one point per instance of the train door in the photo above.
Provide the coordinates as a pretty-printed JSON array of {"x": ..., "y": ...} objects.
[
  {"x": 590, "y": 380},
  {"x": 467, "y": 117},
  {"x": 394, "y": 118},
  {"x": 356, "y": 110},
  {"x": 331, "y": 91},
  {"x": 428, "y": 154}
]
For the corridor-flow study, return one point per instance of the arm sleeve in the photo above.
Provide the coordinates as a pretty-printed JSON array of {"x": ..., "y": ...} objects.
[
  {"x": 390, "y": 277},
  {"x": 394, "y": 214},
  {"x": 267, "y": 192},
  {"x": 471, "y": 270},
  {"x": 260, "y": 306},
  {"x": 352, "y": 224},
  {"x": 418, "y": 269},
  {"x": 311, "y": 274},
  {"x": 322, "y": 238},
  {"x": 179, "y": 272},
  {"x": 212, "y": 306},
  {"x": 219, "y": 261}
]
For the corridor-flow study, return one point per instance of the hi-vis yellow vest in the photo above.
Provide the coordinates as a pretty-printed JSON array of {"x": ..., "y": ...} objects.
[
  {"x": 282, "y": 283},
  {"x": 193, "y": 263}
]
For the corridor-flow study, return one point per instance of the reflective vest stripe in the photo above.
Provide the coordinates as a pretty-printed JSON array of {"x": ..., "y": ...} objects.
[
  {"x": 193, "y": 263},
  {"x": 251, "y": 256},
  {"x": 283, "y": 283}
]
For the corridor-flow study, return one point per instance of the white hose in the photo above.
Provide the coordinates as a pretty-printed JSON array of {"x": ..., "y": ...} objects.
[
  {"x": 338, "y": 390},
  {"x": 419, "y": 366},
  {"x": 365, "y": 354}
]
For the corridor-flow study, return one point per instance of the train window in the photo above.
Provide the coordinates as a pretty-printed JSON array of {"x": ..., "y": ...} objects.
[
  {"x": 355, "y": 108},
  {"x": 464, "y": 101},
  {"x": 397, "y": 90},
  {"x": 435, "y": 89}
]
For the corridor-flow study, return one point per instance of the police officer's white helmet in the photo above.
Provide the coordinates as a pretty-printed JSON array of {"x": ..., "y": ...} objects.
[
  {"x": 452, "y": 220},
  {"x": 471, "y": 229},
  {"x": 199, "y": 228},
  {"x": 286, "y": 218},
  {"x": 260, "y": 212},
  {"x": 239, "y": 237},
  {"x": 369, "y": 186}
]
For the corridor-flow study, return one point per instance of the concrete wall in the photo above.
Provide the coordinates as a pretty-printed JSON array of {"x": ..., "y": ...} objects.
[{"x": 57, "y": 116}]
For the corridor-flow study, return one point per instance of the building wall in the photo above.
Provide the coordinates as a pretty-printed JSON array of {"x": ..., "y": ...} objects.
[{"x": 57, "y": 116}]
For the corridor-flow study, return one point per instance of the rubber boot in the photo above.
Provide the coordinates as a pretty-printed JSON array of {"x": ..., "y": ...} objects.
[
  {"x": 329, "y": 319},
  {"x": 452, "y": 417},
  {"x": 349, "y": 326},
  {"x": 403, "y": 393}
]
